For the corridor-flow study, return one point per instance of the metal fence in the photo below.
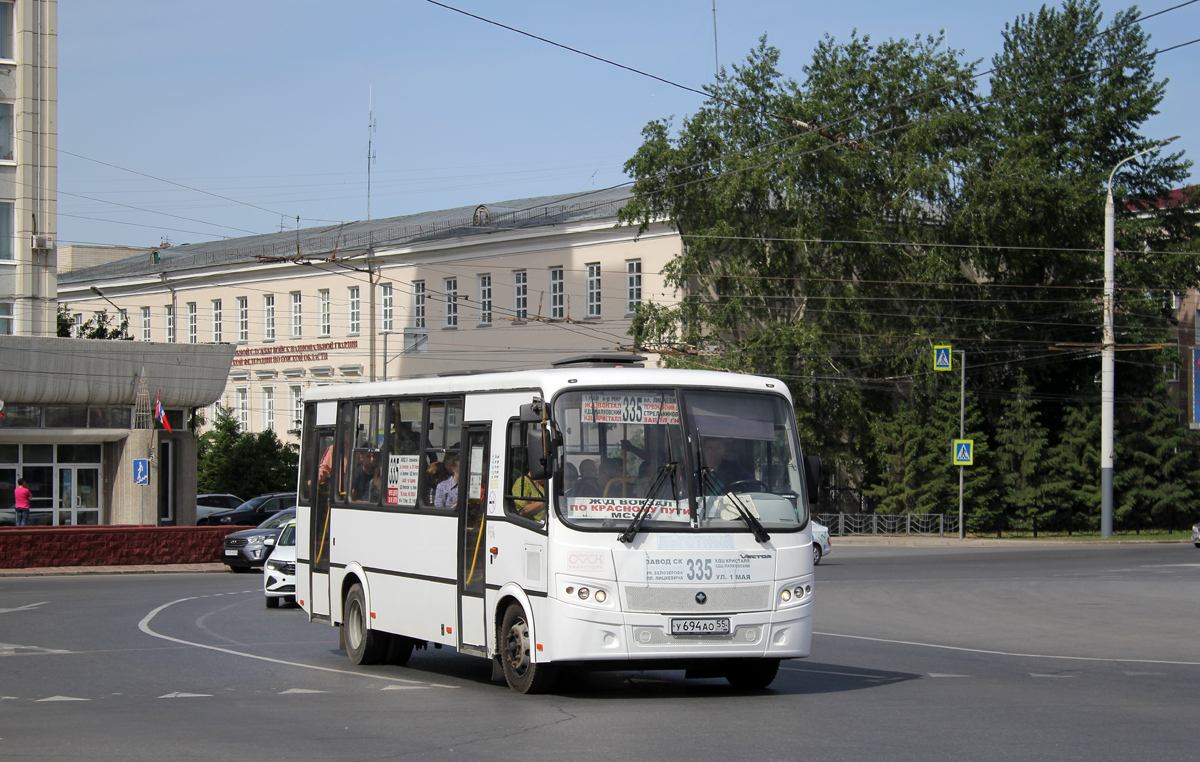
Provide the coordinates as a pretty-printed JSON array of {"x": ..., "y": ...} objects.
[{"x": 845, "y": 524}]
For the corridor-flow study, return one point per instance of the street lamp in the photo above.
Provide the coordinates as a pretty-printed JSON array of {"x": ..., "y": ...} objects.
[
  {"x": 124, "y": 323},
  {"x": 1108, "y": 354}
]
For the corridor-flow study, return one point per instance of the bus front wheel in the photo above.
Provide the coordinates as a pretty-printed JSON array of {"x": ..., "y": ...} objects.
[
  {"x": 520, "y": 671},
  {"x": 753, "y": 674},
  {"x": 363, "y": 645}
]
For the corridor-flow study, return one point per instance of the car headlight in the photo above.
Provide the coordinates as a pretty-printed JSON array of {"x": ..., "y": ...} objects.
[
  {"x": 255, "y": 540},
  {"x": 276, "y": 565},
  {"x": 224, "y": 519}
]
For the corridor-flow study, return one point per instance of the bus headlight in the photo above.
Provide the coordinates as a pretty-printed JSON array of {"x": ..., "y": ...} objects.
[
  {"x": 785, "y": 595},
  {"x": 600, "y": 596},
  {"x": 583, "y": 593}
]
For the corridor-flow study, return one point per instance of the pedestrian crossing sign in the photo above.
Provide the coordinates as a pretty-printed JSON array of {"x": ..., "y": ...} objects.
[
  {"x": 964, "y": 452},
  {"x": 941, "y": 358}
]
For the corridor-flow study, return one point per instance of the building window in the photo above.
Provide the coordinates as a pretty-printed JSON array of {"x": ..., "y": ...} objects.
[
  {"x": 355, "y": 310},
  {"x": 243, "y": 319},
  {"x": 6, "y": 230},
  {"x": 418, "y": 304},
  {"x": 593, "y": 290},
  {"x": 1171, "y": 371},
  {"x": 6, "y": 31},
  {"x": 170, "y": 324},
  {"x": 6, "y": 131},
  {"x": 556, "y": 293},
  {"x": 146, "y": 324},
  {"x": 216, "y": 321},
  {"x": 520, "y": 295},
  {"x": 269, "y": 317},
  {"x": 123, "y": 316},
  {"x": 451, "y": 302},
  {"x": 387, "y": 306},
  {"x": 323, "y": 298},
  {"x": 6, "y": 319},
  {"x": 193, "y": 323},
  {"x": 633, "y": 279},
  {"x": 297, "y": 395},
  {"x": 297, "y": 322},
  {"x": 268, "y": 408},
  {"x": 485, "y": 299},
  {"x": 243, "y": 409}
]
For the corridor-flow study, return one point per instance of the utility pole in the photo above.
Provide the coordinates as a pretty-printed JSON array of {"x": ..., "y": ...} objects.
[
  {"x": 962, "y": 434},
  {"x": 370, "y": 150},
  {"x": 371, "y": 285},
  {"x": 716, "y": 58}
]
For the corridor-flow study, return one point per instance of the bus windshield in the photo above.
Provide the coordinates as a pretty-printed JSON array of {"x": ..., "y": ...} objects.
[{"x": 734, "y": 452}]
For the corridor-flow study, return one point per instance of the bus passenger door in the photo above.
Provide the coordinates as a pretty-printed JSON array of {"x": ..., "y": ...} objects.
[
  {"x": 319, "y": 533},
  {"x": 472, "y": 624}
]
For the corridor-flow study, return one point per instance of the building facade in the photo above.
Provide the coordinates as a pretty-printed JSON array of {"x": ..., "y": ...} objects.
[
  {"x": 28, "y": 165},
  {"x": 498, "y": 286}
]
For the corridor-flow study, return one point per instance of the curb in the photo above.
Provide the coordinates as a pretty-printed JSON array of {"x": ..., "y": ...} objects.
[{"x": 75, "y": 571}]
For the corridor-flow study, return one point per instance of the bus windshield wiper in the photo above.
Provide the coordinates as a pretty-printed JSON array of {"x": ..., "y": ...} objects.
[
  {"x": 719, "y": 488},
  {"x": 635, "y": 525}
]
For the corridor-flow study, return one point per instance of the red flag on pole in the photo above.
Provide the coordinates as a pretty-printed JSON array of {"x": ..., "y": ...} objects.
[{"x": 159, "y": 414}]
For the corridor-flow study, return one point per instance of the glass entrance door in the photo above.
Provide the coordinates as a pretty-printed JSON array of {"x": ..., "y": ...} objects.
[
  {"x": 78, "y": 499},
  {"x": 473, "y": 486}
]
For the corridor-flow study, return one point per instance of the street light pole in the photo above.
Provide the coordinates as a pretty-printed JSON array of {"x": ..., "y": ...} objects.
[{"x": 1108, "y": 354}]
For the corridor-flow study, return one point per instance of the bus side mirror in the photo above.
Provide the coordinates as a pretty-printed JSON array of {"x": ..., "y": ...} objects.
[
  {"x": 543, "y": 452},
  {"x": 812, "y": 477}
]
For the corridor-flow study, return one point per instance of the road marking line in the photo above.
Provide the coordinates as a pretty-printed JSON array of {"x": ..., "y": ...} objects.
[
  {"x": 62, "y": 698},
  {"x": 144, "y": 626},
  {"x": 405, "y": 688},
  {"x": 12, "y": 649},
  {"x": 1143, "y": 674},
  {"x": 8, "y": 698},
  {"x": 840, "y": 674},
  {"x": 1010, "y": 653},
  {"x": 179, "y": 694},
  {"x": 299, "y": 690},
  {"x": 941, "y": 674},
  {"x": 26, "y": 607}
]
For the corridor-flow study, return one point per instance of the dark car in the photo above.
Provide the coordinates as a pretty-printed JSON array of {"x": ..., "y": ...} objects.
[
  {"x": 207, "y": 505},
  {"x": 250, "y": 548},
  {"x": 254, "y": 511}
]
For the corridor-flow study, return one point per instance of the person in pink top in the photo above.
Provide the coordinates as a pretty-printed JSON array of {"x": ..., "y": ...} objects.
[{"x": 22, "y": 495}]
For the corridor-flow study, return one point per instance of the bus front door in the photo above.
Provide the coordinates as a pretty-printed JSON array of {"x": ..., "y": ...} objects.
[
  {"x": 472, "y": 624},
  {"x": 319, "y": 529}
]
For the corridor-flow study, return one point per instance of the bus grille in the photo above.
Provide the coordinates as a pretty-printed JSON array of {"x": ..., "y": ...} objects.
[{"x": 676, "y": 599}]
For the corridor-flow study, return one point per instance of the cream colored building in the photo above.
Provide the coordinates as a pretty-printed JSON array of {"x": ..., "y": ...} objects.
[{"x": 498, "y": 286}]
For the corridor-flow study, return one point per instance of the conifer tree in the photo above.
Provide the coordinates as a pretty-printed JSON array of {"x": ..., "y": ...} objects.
[{"x": 1021, "y": 444}]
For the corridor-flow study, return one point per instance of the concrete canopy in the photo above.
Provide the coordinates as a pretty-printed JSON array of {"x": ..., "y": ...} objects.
[{"x": 44, "y": 370}]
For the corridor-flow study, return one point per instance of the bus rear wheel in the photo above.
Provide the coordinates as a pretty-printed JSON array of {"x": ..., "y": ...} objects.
[
  {"x": 752, "y": 674},
  {"x": 363, "y": 645},
  {"x": 520, "y": 671}
]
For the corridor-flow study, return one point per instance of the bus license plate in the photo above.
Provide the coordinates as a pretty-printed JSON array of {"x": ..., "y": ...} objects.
[{"x": 700, "y": 626}]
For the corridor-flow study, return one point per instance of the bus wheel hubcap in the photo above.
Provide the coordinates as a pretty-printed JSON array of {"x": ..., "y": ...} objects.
[{"x": 518, "y": 649}]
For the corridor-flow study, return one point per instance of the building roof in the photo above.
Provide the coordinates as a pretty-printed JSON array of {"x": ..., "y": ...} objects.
[{"x": 351, "y": 237}]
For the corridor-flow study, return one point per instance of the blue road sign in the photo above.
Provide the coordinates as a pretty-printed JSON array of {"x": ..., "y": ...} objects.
[
  {"x": 941, "y": 358},
  {"x": 141, "y": 471},
  {"x": 964, "y": 452}
]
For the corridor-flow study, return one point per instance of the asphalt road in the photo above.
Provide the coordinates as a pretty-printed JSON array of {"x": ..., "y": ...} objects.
[{"x": 922, "y": 654}]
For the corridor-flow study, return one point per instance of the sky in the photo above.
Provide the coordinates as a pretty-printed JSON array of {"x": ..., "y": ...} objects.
[{"x": 264, "y": 104}]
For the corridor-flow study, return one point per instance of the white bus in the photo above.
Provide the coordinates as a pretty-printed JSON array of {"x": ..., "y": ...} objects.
[{"x": 594, "y": 513}]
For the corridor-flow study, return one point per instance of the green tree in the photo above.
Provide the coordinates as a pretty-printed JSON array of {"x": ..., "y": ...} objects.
[
  {"x": 1021, "y": 445},
  {"x": 243, "y": 463},
  {"x": 1156, "y": 478},
  {"x": 1072, "y": 488},
  {"x": 100, "y": 326}
]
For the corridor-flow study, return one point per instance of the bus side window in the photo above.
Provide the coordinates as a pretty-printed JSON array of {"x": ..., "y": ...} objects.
[
  {"x": 366, "y": 481},
  {"x": 523, "y": 497},
  {"x": 345, "y": 442},
  {"x": 307, "y": 457},
  {"x": 443, "y": 431}
]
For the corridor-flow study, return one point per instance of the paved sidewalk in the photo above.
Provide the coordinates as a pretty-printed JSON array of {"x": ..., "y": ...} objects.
[{"x": 67, "y": 571}]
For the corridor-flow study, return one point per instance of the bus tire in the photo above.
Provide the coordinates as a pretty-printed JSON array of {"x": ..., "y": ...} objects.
[
  {"x": 399, "y": 650},
  {"x": 520, "y": 671},
  {"x": 752, "y": 674},
  {"x": 363, "y": 645}
]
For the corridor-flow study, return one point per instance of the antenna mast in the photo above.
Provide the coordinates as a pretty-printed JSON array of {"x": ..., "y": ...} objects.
[{"x": 370, "y": 150}]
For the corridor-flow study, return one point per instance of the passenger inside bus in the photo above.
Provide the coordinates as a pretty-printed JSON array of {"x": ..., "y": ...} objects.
[
  {"x": 714, "y": 451},
  {"x": 616, "y": 484},
  {"x": 365, "y": 486},
  {"x": 527, "y": 486},
  {"x": 446, "y": 493},
  {"x": 587, "y": 486}
]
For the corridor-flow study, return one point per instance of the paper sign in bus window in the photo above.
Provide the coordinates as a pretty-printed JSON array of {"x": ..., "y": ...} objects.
[{"x": 402, "y": 479}]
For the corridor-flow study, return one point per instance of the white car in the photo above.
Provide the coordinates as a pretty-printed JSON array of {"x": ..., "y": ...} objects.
[
  {"x": 1196, "y": 535},
  {"x": 279, "y": 575},
  {"x": 821, "y": 546}
]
